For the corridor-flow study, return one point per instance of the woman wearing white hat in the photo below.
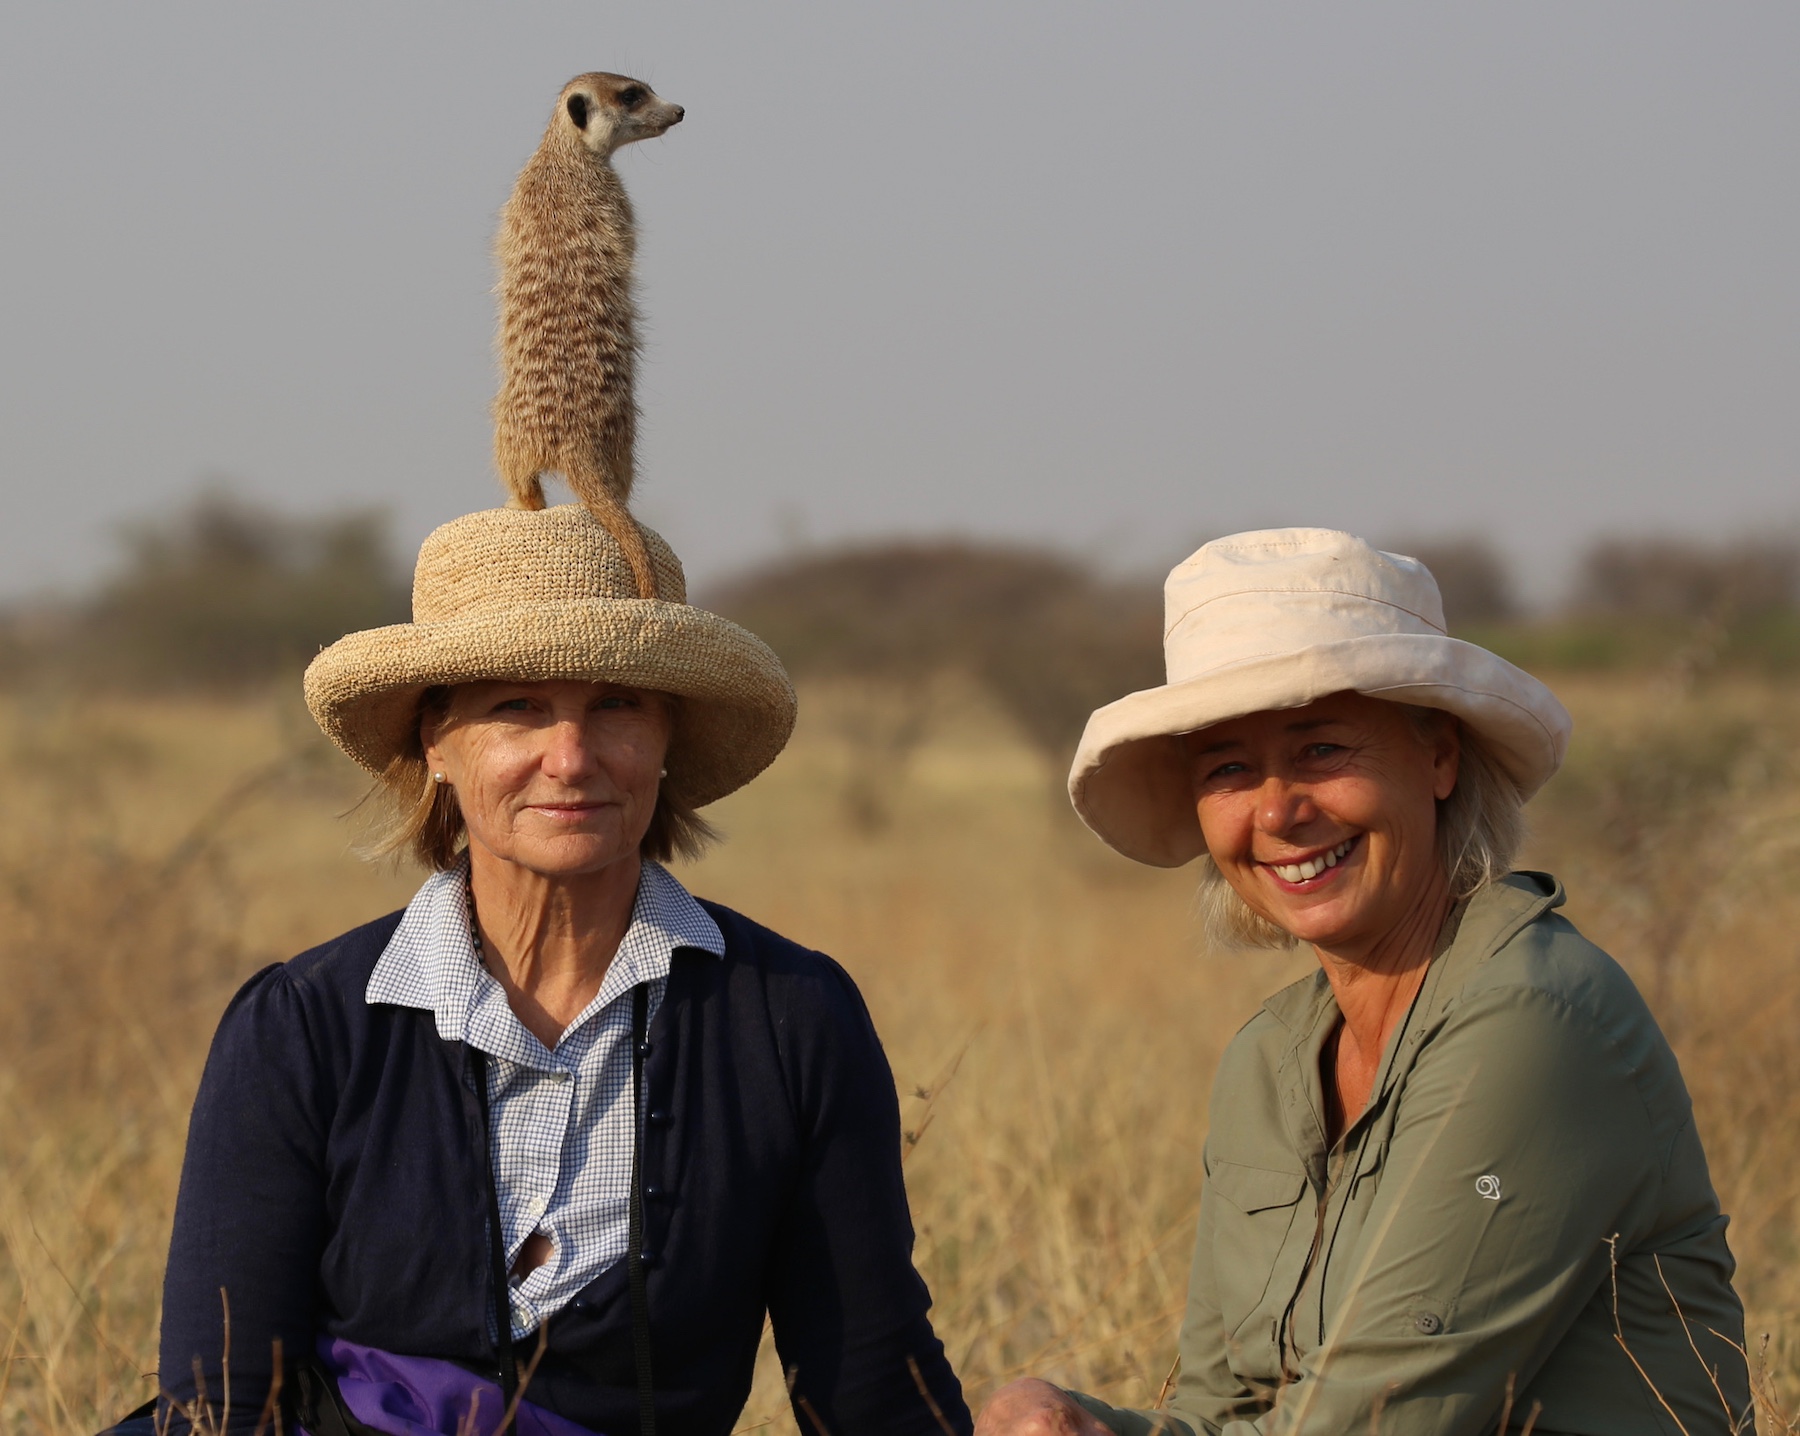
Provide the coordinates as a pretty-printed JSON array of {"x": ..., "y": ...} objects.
[
  {"x": 1454, "y": 1173},
  {"x": 555, "y": 1139}
]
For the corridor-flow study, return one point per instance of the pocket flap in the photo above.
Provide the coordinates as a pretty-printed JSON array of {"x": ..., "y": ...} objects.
[{"x": 1254, "y": 1189}]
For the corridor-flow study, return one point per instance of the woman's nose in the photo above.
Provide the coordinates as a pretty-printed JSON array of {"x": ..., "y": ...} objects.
[
  {"x": 568, "y": 756},
  {"x": 1280, "y": 806}
]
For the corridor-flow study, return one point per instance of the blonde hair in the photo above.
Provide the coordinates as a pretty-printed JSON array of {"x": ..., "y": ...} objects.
[
  {"x": 1479, "y": 829},
  {"x": 422, "y": 819}
]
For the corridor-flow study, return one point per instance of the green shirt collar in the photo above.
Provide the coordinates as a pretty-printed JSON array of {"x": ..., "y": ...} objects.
[{"x": 1477, "y": 930}]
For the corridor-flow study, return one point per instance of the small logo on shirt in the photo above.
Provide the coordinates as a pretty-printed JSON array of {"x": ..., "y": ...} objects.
[{"x": 1488, "y": 1186}]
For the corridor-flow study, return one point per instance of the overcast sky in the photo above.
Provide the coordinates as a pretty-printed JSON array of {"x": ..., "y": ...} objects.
[{"x": 1111, "y": 276}]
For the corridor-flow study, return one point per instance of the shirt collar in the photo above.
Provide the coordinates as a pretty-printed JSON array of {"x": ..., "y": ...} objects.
[
  {"x": 1474, "y": 932},
  {"x": 430, "y": 961}
]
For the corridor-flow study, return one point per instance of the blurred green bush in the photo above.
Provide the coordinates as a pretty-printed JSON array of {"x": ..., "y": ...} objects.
[
  {"x": 1041, "y": 632},
  {"x": 220, "y": 594},
  {"x": 224, "y": 593}
]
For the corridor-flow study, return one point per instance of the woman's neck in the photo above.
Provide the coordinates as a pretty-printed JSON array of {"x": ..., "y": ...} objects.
[
  {"x": 1375, "y": 984},
  {"x": 549, "y": 940}
]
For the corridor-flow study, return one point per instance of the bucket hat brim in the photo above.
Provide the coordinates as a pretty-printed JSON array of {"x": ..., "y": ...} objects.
[
  {"x": 735, "y": 715},
  {"x": 1131, "y": 781}
]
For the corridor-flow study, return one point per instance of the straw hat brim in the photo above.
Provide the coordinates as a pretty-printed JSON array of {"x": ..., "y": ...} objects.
[
  {"x": 735, "y": 716},
  {"x": 1131, "y": 780}
]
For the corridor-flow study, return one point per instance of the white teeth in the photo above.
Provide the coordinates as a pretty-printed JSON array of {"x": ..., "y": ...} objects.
[{"x": 1312, "y": 867}]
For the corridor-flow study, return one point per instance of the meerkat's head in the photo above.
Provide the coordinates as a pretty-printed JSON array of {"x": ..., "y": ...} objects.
[{"x": 605, "y": 112}]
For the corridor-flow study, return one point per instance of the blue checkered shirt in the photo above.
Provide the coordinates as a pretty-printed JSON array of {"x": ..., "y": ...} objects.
[{"x": 560, "y": 1121}]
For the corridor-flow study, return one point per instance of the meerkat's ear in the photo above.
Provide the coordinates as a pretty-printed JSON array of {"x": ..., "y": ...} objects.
[{"x": 578, "y": 110}]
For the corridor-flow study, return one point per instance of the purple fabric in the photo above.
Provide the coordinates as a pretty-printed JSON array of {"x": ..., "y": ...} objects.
[{"x": 418, "y": 1396}]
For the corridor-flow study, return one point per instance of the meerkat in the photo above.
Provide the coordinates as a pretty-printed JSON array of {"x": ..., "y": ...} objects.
[{"x": 568, "y": 324}]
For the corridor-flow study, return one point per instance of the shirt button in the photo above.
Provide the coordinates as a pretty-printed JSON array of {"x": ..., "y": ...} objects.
[{"x": 1428, "y": 1323}]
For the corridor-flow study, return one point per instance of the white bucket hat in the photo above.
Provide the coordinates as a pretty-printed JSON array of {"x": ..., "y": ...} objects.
[{"x": 1278, "y": 619}]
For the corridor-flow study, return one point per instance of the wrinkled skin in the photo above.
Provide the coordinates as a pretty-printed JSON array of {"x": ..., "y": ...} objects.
[
  {"x": 1029, "y": 1407},
  {"x": 1277, "y": 788},
  {"x": 557, "y": 783}
]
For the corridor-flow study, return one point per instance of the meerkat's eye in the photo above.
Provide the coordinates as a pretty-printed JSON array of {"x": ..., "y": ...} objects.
[
  {"x": 631, "y": 97},
  {"x": 578, "y": 110}
]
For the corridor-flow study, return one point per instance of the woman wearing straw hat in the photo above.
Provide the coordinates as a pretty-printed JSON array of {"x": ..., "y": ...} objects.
[
  {"x": 1452, "y": 1179},
  {"x": 554, "y": 1139}
]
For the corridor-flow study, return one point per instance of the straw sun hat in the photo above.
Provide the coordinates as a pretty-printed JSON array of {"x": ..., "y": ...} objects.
[
  {"x": 1277, "y": 619},
  {"x": 531, "y": 595}
]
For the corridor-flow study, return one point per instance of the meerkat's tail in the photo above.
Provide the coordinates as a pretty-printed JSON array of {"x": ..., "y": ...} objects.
[{"x": 604, "y": 503}]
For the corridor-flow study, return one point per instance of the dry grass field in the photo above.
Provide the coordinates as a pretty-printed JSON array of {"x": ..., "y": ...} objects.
[{"x": 1050, "y": 1016}]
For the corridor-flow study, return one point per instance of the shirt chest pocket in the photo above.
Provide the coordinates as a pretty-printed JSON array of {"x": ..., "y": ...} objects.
[{"x": 1257, "y": 1226}]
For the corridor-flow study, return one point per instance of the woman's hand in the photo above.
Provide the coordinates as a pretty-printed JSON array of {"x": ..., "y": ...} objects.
[{"x": 1029, "y": 1407}]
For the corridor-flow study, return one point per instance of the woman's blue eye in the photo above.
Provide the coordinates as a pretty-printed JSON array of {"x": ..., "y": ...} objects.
[{"x": 514, "y": 705}]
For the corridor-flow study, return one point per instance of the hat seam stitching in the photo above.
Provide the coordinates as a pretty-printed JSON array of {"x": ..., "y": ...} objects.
[{"x": 1340, "y": 592}]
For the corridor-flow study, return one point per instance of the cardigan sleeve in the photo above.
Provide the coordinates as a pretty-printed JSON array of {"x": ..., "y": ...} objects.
[
  {"x": 848, "y": 1308},
  {"x": 250, "y": 1213}
]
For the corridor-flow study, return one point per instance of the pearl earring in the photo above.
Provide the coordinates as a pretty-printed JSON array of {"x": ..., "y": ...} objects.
[
  {"x": 437, "y": 778},
  {"x": 664, "y": 773}
]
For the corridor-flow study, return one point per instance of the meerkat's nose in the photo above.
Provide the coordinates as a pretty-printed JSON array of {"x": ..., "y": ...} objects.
[{"x": 679, "y": 112}]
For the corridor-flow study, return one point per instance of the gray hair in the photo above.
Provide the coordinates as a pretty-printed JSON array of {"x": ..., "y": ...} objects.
[{"x": 1480, "y": 827}]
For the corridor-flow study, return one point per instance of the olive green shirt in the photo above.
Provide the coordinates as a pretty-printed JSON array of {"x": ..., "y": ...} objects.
[{"x": 1528, "y": 1120}]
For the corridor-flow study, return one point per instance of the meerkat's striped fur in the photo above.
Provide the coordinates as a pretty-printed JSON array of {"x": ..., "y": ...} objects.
[{"x": 568, "y": 325}]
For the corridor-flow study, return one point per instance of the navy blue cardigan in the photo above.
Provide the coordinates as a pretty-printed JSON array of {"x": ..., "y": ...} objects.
[{"x": 336, "y": 1183}]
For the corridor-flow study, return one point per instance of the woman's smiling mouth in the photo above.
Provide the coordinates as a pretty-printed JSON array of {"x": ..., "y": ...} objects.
[{"x": 1307, "y": 870}]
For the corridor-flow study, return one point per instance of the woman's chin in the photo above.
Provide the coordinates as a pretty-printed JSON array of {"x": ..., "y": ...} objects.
[
  {"x": 1324, "y": 920},
  {"x": 567, "y": 855}
]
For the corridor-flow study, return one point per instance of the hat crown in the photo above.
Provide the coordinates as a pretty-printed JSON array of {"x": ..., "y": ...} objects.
[
  {"x": 1277, "y": 590},
  {"x": 507, "y": 558}
]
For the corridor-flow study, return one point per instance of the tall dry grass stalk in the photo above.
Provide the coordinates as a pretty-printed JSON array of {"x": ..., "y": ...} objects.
[{"x": 1050, "y": 1018}]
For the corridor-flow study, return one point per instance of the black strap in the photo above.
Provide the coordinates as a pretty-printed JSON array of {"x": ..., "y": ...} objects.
[
  {"x": 509, "y": 1370},
  {"x": 634, "y": 1250}
]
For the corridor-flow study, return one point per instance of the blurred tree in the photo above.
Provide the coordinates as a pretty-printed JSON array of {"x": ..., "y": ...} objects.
[
  {"x": 1676, "y": 579},
  {"x": 1045, "y": 636},
  {"x": 1471, "y": 575},
  {"x": 224, "y": 592}
]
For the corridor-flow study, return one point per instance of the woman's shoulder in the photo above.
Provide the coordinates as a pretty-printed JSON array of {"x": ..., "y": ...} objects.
[
  {"x": 326, "y": 982},
  {"x": 799, "y": 983},
  {"x": 750, "y": 943},
  {"x": 345, "y": 960},
  {"x": 1515, "y": 949},
  {"x": 1521, "y": 982},
  {"x": 773, "y": 989},
  {"x": 292, "y": 1022}
]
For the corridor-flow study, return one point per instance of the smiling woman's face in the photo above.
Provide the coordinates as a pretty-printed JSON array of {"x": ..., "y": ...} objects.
[
  {"x": 560, "y": 778},
  {"x": 1324, "y": 818}
]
